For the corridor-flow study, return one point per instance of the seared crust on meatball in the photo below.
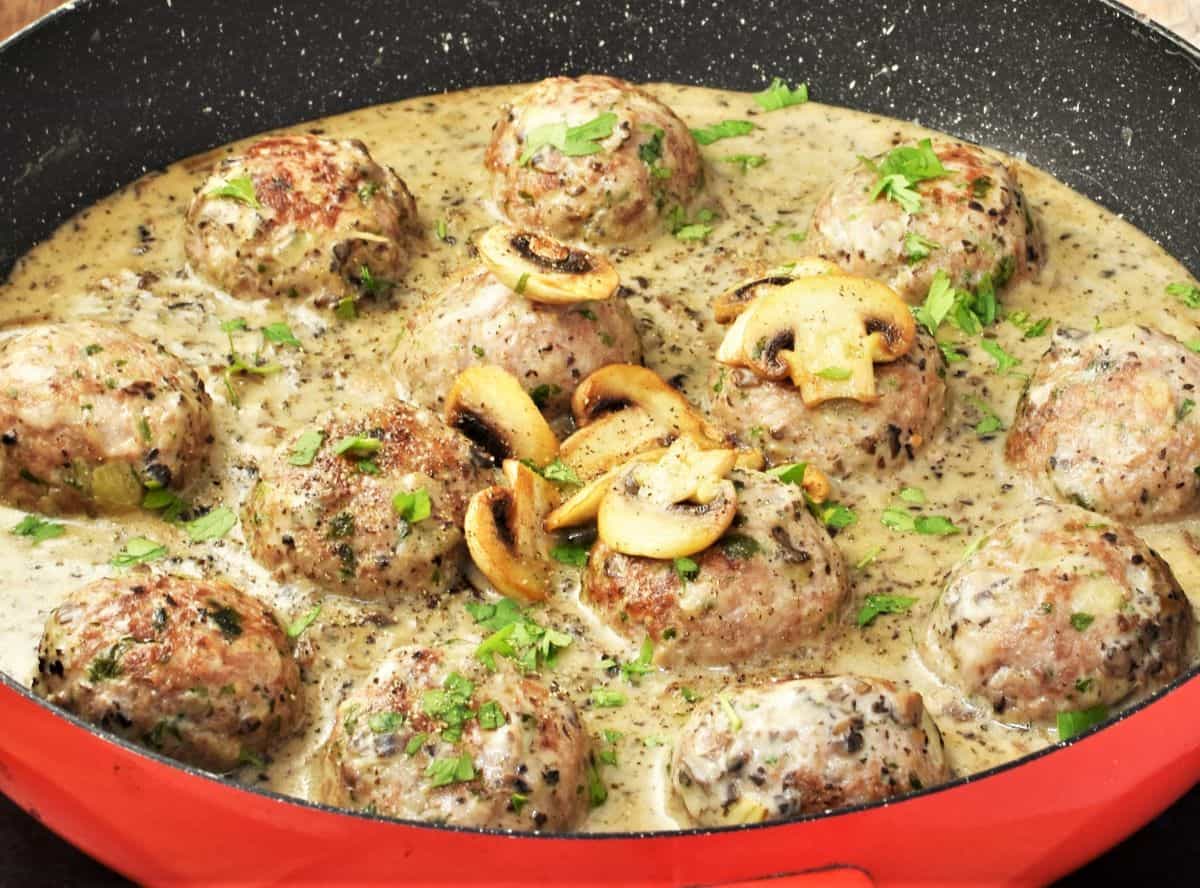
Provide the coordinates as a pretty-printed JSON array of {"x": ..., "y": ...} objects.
[
  {"x": 974, "y": 221},
  {"x": 802, "y": 747},
  {"x": 334, "y": 519},
  {"x": 549, "y": 348},
  {"x": 842, "y": 436},
  {"x": 90, "y": 414},
  {"x": 1108, "y": 422},
  {"x": 194, "y": 669},
  {"x": 1060, "y": 610},
  {"x": 774, "y": 581},
  {"x": 301, "y": 217},
  {"x": 431, "y": 738},
  {"x": 646, "y": 165}
]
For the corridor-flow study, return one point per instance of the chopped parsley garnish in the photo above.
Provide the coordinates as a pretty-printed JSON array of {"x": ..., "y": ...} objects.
[
  {"x": 440, "y": 229},
  {"x": 883, "y": 604},
  {"x": 1071, "y": 723},
  {"x": 917, "y": 247},
  {"x": 1032, "y": 329},
  {"x": 414, "y": 744},
  {"x": 735, "y": 720},
  {"x": 138, "y": 550},
  {"x": 240, "y": 188},
  {"x": 1188, "y": 294},
  {"x": 516, "y": 636},
  {"x": 226, "y": 619},
  {"x": 1083, "y": 685},
  {"x": 367, "y": 191},
  {"x": 38, "y": 528},
  {"x": 357, "y": 446},
  {"x": 450, "y": 705},
  {"x": 792, "y": 473},
  {"x": 412, "y": 506},
  {"x": 779, "y": 95},
  {"x": 168, "y": 504},
  {"x": 835, "y": 515},
  {"x": 635, "y": 669},
  {"x": 346, "y": 310},
  {"x": 606, "y": 698},
  {"x": 211, "y": 526},
  {"x": 445, "y": 771},
  {"x": 1185, "y": 407},
  {"x": 726, "y": 129},
  {"x": 93, "y": 349},
  {"x": 304, "y": 451},
  {"x": 689, "y": 696},
  {"x": 696, "y": 229},
  {"x": 914, "y": 495},
  {"x": 686, "y": 569},
  {"x": 650, "y": 152},
  {"x": 301, "y": 624},
  {"x": 517, "y": 801},
  {"x": 385, "y": 722},
  {"x": 1081, "y": 620},
  {"x": 903, "y": 167},
  {"x": 746, "y": 161},
  {"x": 280, "y": 334},
  {"x": 491, "y": 716},
  {"x": 990, "y": 423},
  {"x": 927, "y": 525},
  {"x": 239, "y": 363},
  {"x": 1004, "y": 361},
  {"x": 938, "y": 303},
  {"x": 597, "y": 791},
  {"x": 371, "y": 285},
  {"x": 739, "y": 546},
  {"x": 560, "y": 473},
  {"x": 980, "y": 186},
  {"x": 868, "y": 558},
  {"x": 572, "y": 554},
  {"x": 572, "y": 141}
]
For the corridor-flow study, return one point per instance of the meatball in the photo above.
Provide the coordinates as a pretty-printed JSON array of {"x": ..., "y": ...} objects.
[
  {"x": 1108, "y": 421},
  {"x": 301, "y": 217},
  {"x": 1060, "y": 610},
  {"x": 972, "y": 221},
  {"x": 429, "y": 738},
  {"x": 804, "y": 746},
  {"x": 635, "y": 161},
  {"x": 550, "y": 348},
  {"x": 773, "y": 581},
  {"x": 91, "y": 414},
  {"x": 194, "y": 669},
  {"x": 843, "y": 436},
  {"x": 380, "y": 519}
]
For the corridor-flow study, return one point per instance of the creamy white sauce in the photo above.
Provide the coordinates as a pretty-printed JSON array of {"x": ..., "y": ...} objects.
[{"x": 1099, "y": 270}]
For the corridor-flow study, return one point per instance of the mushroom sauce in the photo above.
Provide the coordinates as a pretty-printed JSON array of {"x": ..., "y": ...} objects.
[{"x": 123, "y": 261}]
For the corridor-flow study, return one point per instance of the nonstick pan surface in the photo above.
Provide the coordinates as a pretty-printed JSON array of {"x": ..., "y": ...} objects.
[{"x": 106, "y": 90}]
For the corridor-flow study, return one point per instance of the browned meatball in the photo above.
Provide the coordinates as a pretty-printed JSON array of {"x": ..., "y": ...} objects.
[
  {"x": 301, "y": 217},
  {"x": 644, "y": 163},
  {"x": 549, "y": 348},
  {"x": 842, "y": 436},
  {"x": 91, "y": 414},
  {"x": 434, "y": 738},
  {"x": 1108, "y": 421},
  {"x": 1061, "y": 610},
  {"x": 802, "y": 747},
  {"x": 774, "y": 581},
  {"x": 335, "y": 518},
  {"x": 194, "y": 669},
  {"x": 972, "y": 221}
]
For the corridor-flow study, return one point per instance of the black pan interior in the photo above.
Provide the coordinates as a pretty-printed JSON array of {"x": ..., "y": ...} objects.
[{"x": 108, "y": 89}]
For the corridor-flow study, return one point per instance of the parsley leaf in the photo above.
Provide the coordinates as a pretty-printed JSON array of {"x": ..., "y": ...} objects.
[
  {"x": 445, "y": 771},
  {"x": 280, "y": 334},
  {"x": 903, "y": 167},
  {"x": 607, "y": 699},
  {"x": 726, "y": 129},
  {"x": 746, "y": 161},
  {"x": 1081, "y": 620},
  {"x": 779, "y": 95},
  {"x": 686, "y": 569},
  {"x": 927, "y": 525},
  {"x": 38, "y": 528},
  {"x": 572, "y": 141},
  {"x": 385, "y": 722},
  {"x": 1004, "y": 361},
  {"x": 304, "y": 451},
  {"x": 297, "y": 628},
  {"x": 560, "y": 473},
  {"x": 138, "y": 550},
  {"x": 938, "y": 303},
  {"x": 572, "y": 554},
  {"x": 1071, "y": 723},
  {"x": 357, "y": 446},
  {"x": 211, "y": 526},
  {"x": 491, "y": 716},
  {"x": 917, "y": 247},
  {"x": 1188, "y": 294},
  {"x": 240, "y": 188},
  {"x": 883, "y": 604},
  {"x": 990, "y": 423},
  {"x": 413, "y": 506},
  {"x": 635, "y": 669},
  {"x": 516, "y": 636}
]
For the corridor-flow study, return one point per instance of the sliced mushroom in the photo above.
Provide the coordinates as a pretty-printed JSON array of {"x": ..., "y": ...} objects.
[
  {"x": 624, "y": 409},
  {"x": 824, "y": 332},
  {"x": 734, "y": 301},
  {"x": 505, "y": 536},
  {"x": 489, "y": 406},
  {"x": 544, "y": 269},
  {"x": 675, "y": 507},
  {"x": 584, "y": 505}
]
